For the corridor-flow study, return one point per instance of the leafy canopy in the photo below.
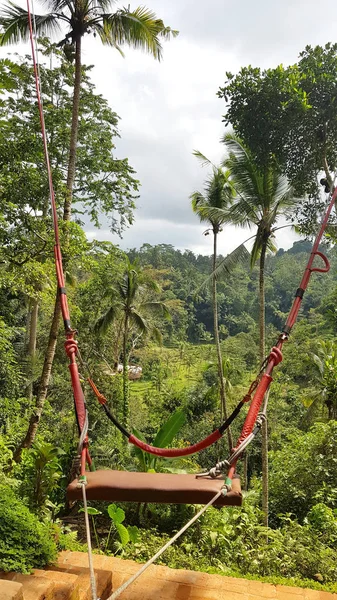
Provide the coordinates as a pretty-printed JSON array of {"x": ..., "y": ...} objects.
[
  {"x": 262, "y": 195},
  {"x": 139, "y": 28},
  {"x": 289, "y": 114}
]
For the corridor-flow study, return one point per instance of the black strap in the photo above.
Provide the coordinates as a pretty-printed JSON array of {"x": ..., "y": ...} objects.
[
  {"x": 115, "y": 422},
  {"x": 231, "y": 417}
]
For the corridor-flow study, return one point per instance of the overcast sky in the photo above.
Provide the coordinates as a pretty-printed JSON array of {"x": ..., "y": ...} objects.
[{"x": 168, "y": 109}]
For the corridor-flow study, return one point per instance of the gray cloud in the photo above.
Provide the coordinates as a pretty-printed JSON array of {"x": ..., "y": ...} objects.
[{"x": 168, "y": 109}]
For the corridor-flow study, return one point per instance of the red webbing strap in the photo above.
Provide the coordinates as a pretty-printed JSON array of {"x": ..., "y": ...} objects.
[
  {"x": 176, "y": 452},
  {"x": 254, "y": 408},
  {"x": 70, "y": 344},
  {"x": 57, "y": 250},
  {"x": 275, "y": 356},
  {"x": 310, "y": 269}
]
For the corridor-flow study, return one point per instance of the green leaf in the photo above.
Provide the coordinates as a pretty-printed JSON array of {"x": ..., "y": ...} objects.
[
  {"x": 123, "y": 534},
  {"x": 91, "y": 511},
  {"x": 133, "y": 532},
  {"x": 116, "y": 514},
  {"x": 140, "y": 454},
  {"x": 169, "y": 430}
]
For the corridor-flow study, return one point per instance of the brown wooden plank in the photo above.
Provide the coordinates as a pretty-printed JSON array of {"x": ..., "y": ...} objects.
[{"x": 167, "y": 488}]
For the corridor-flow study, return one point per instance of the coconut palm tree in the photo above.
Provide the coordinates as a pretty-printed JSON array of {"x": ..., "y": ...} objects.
[
  {"x": 218, "y": 194},
  {"x": 139, "y": 29},
  {"x": 262, "y": 196},
  {"x": 324, "y": 393},
  {"x": 129, "y": 299}
]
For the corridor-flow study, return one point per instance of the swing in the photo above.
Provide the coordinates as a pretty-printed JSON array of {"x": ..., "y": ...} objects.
[
  {"x": 161, "y": 488},
  {"x": 209, "y": 488}
]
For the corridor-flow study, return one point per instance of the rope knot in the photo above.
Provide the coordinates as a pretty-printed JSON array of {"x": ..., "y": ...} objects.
[
  {"x": 70, "y": 347},
  {"x": 276, "y": 355}
]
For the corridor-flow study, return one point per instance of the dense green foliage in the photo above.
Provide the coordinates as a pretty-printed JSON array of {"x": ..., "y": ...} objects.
[
  {"x": 152, "y": 309},
  {"x": 24, "y": 541},
  {"x": 297, "y": 122}
]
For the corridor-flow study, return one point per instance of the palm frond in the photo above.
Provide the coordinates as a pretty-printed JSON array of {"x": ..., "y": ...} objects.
[
  {"x": 199, "y": 206},
  {"x": 157, "y": 307},
  {"x": 256, "y": 249},
  {"x": 214, "y": 214},
  {"x": 139, "y": 322},
  {"x": 138, "y": 29},
  {"x": 227, "y": 266},
  {"x": 205, "y": 162},
  {"x": 213, "y": 205},
  {"x": 166, "y": 32},
  {"x": 103, "y": 323},
  {"x": 157, "y": 335},
  {"x": 247, "y": 177},
  {"x": 100, "y": 5},
  {"x": 104, "y": 36},
  {"x": 58, "y": 6},
  {"x": 14, "y": 22}
]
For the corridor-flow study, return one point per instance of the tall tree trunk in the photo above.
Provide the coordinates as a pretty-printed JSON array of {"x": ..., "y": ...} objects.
[
  {"x": 74, "y": 132},
  {"x": 54, "y": 328},
  {"x": 125, "y": 373},
  {"x": 217, "y": 344},
  {"x": 43, "y": 387},
  {"x": 116, "y": 352},
  {"x": 262, "y": 327},
  {"x": 31, "y": 350}
]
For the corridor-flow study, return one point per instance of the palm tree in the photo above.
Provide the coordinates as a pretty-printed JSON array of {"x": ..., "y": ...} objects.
[
  {"x": 262, "y": 196},
  {"x": 325, "y": 383},
  {"x": 218, "y": 195},
  {"x": 130, "y": 299},
  {"x": 139, "y": 29}
]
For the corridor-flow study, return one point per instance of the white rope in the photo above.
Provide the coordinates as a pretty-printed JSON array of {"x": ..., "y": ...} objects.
[
  {"x": 87, "y": 527},
  {"x": 162, "y": 550}
]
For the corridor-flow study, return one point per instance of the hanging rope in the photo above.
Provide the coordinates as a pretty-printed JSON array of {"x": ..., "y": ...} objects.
[
  {"x": 87, "y": 529},
  {"x": 260, "y": 385},
  {"x": 70, "y": 344},
  {"x": 125, "y": 585},
  {"x": 175, "y": 452}
]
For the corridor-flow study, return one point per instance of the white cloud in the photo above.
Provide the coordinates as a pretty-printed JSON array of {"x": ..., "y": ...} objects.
[{"x": 170, "y": 108}]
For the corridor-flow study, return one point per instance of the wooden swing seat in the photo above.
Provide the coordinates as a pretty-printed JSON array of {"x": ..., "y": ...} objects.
[{"x": 165, "y": 488}]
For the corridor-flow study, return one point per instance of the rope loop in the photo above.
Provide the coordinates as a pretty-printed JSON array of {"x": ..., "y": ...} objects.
[
  {"x": 326, "y": 262},
  {"x": 100, "y": 397},
  {"x": 276, "y": 355},
  {"x": 70, "y": 347}
]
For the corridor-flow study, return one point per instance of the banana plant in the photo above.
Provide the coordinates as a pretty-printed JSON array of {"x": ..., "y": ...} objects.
[{"x": 163, "y": 439}]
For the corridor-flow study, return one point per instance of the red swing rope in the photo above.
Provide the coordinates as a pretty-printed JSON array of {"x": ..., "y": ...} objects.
[
  {"x": 261, "y": 384},
  {"x": 275, "y": 356},
  {"x": 259, "y": 387},
  {"x": 70, "y": 343}
]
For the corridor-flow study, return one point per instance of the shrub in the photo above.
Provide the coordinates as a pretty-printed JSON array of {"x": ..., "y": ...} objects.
[
  {"x": 304, "y": 472},
  {"x": 235, "y": 541},
  {"x": 25, "y": 542}
]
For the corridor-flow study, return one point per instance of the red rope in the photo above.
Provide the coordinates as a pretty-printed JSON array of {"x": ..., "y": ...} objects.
[
  {"x": 275, "y": 355},
  {"x": 70, "y": 344},
  {"x": 57, "y": 249},
  {"x": 176, "y": 452}
]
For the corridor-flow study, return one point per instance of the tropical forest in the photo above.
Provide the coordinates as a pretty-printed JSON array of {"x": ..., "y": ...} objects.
[{"x": 154, "y": 342}]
